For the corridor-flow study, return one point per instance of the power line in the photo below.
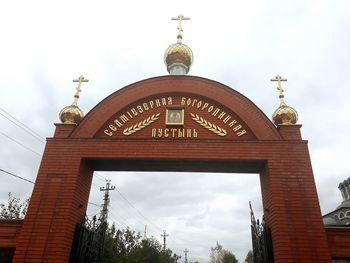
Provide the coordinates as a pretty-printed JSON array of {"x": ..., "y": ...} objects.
[
  {"x": 144, "y": 217},
  {"x": 21, "y": 144},
  {"x": 100, "y": 177},
  {"x": 22, "y": 126},
  {"x": 91, "y": 203},
  {"x": 136, "y": 214},
  {"x": 24, "y": 179},
  {"x": 123, "y": 221}
]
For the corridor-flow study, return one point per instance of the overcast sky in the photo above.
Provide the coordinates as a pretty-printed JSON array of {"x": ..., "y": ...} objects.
[{"x": 45, "y": 44}]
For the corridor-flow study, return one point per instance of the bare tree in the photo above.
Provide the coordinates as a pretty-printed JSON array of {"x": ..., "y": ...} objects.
[{"x": 14, "y": 209}]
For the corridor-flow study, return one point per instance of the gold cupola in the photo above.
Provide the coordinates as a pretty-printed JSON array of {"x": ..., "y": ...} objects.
[
  {"x": 284, "y": 114},
  {"x": 72, "y": 114},
  {"x": 178, "y": 57}
]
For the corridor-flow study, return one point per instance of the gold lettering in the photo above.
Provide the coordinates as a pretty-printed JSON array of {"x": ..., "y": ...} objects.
[
  {"x": 237, "y": 127},
  {"x": 221, "y": 115},
  {"x": 199, "y": 104},
  {"x": 183, "y": 101},
  {"x": 189, "y": 101},
  {"x": 145, "y": 106},
  {"x": 123, "y": 118},
  {"x": 216, "y": 111},
  {"x": 166, "y": 132},
  {"x": 151, "y": 103},
  {"x": 170, "y": 100},
  {"x": 210, "y": 109},
  {"x": 205, "y": 106},
  {"x": 134, "y": 111},
  {"x": 194, "y": 102},
  {"x": 118, "y": 123},
  {"x": 107, "y": 132},
  {"x": 164, "y": 101},
  {"x": 129, "y": 115},
  {"x": 173, "y": 133},
  {"x": 232, "y": 123},
  {"x": 157, "y": 103},
  {"x": 112, "y": 127},
  {"x": 241, "y": 133},
  {"x": 227, "y": 118},
  {"x": 160, "y": 132},
  {"x": 139, "y": 108}
]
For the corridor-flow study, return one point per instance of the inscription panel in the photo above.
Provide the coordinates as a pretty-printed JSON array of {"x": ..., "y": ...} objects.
[{"x": 183, "y": 116}]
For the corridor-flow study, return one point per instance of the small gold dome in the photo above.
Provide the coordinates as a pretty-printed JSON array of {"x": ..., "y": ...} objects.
[
  {"x": 285, "y": 115},
  {"x": 71, "y": 115},
  {"x": 178, "y": 53}
]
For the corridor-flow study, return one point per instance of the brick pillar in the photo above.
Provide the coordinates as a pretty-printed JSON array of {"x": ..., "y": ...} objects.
[
  {"x": 291, "y": 206},
  {"x": 58, "y": 203}
]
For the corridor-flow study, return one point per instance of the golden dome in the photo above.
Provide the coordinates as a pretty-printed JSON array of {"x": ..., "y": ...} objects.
[
  {"x": 178, "y": 53},
  {"x": 285, "y": 115},
  {"x": 71, "y": 114}
]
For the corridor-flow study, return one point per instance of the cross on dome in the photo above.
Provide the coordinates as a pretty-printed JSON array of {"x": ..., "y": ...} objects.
[
  {"x": 178, "y": 57},
  {"x": 72, "y": 114},
  {"x": 180, "y": 18},
  {"x": 76, "y": 96},
  {"x": 284, "y": 115},
  {"x": 278, "y": 78}
]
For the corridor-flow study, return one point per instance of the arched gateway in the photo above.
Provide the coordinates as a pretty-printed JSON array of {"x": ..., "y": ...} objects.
[{"x": 175, "y": 123}]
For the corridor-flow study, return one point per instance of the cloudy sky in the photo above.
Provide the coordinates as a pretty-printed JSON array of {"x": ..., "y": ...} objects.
[{"x": 45, "y": 44}]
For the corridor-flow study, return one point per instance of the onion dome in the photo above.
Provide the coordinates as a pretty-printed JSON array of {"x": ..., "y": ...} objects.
[
  {"x": 72, "y": 114},
  {"x": 178, "y": 57},
  {"x": 284, "y": 114}
]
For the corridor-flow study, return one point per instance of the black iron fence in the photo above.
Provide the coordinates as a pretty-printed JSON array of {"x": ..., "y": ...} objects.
[
  {"x": 261, "y": 239},
  {"x": 88, "y": 241}
]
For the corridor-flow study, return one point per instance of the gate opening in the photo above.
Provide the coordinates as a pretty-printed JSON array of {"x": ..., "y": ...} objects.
[{"x": 196, "y": 209}]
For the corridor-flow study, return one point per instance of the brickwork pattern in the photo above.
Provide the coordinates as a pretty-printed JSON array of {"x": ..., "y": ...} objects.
[
  {"x": 339, "y": 242},
  {"x": 64, "y": 179},
  {"x": 9, "y": 232}
]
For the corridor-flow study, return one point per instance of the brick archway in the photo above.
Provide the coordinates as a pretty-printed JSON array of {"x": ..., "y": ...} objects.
[{"x": 175, "y": 123}]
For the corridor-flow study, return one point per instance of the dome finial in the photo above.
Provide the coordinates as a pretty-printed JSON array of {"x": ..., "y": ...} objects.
[
  {"x": 284, "y": 115},
  {"x": 179, "y": 33},
  {"x": 178, "y": 57},
  {"x": 72, "y": 114},
  {"x": 278, "y": 78},
  {"x": 76, "y": 95}
]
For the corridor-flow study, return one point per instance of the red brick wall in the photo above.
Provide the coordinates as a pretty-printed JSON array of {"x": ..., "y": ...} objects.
[
  {"x": 339, "y": 242},
  {"x": 9, "y": 232},
  {"x": 280, "y": 156}
]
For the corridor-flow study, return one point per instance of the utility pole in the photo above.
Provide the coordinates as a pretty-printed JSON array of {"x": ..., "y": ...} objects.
[
  {"x": 106, "y": 199},
  {"x": 145, "y": 234},
  {"x": 186, "y": 251},
  {"x": 164, "y": 239}
]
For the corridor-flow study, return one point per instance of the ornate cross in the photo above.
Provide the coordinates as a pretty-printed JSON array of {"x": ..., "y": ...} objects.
[
  {"x": 278, "y": 78},
  {"x": 180, "y": 18},
  {"x": 76, "y": 96}
]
